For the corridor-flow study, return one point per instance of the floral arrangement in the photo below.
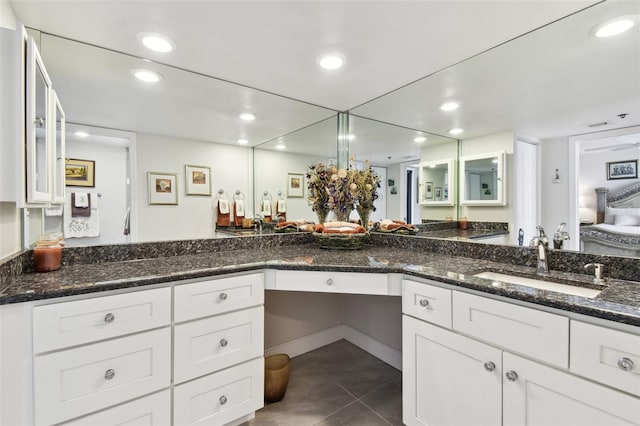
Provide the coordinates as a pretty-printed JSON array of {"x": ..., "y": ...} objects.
[{"x": 341, "y": 190}]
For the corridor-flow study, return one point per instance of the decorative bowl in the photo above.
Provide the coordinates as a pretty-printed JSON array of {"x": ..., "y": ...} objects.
[{"x": 341, "y": 241}]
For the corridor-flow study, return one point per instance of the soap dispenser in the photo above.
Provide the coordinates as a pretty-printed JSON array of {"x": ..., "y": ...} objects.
[{"x": 238, "y": 208}]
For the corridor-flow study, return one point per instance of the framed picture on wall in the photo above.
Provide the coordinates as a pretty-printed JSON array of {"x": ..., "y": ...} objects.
[
  {"x": 80, "y": 172},
  {"x": 198, "y": 180},
  {"x": 295, "y": 185},
  {"x": 438, "y": 193},
  {"x": 428, "y": 190},
  {"x": 622, "y": 169},
  {"x": 163, "y": 188}
]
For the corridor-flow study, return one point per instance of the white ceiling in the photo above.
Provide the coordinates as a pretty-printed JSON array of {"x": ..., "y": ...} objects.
[
  {"x": 273, "y": 45},
  {"x": 549, "y": 83}
]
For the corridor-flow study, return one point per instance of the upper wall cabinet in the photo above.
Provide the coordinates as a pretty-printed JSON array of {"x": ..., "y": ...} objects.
[
  {"x": 32, "y": 123},
  {"x": 482, "y": 180},
  {"x": 437, "y": 183}
]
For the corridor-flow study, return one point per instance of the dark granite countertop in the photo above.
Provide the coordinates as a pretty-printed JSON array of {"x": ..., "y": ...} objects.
[{"x": 619, "y": 301}]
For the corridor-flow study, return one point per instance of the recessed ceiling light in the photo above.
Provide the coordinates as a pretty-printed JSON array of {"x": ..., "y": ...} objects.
[
  {"x": 247, "y": 116},
  {"x": 147, "y": 76},
  {"x": 494, "y": 161},
  {"x": 331, "y": 61},
  {"x": 156, "y": 42},
  {"x": 456, "y": 131},
  {"x": 614, "y": 26},
  {"x": 82, "y": 134},
  {"x": 449, "y": 106},
  {"x": 419, "y": 139},
  {"x": 243, "y": 141},
  {"x": 281, "y": 146}
]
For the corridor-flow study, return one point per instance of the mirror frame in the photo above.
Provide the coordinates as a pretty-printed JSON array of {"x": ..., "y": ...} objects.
[{"x": 501, "y": 198}]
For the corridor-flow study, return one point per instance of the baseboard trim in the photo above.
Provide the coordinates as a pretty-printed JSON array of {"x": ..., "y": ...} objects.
[
  {"x": 308, "y": 343},
  {"x": 305, "y": 344}
]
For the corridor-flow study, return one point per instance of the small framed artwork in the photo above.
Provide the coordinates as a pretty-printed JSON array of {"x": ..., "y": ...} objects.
[
  {"x": 198, "y": 179},
  {"x": 391, "y": 182},
  {"x": 438, "y": 193},
  {"x": 428, "y": 191},
  {"x": 163, "y": 188},
  {"x": 295, "y": 185},
  {"x": 80, "y": 172},
  {"x": 622, "y": 169}
]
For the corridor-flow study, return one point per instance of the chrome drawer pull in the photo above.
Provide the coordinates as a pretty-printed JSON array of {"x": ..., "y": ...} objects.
[
  {"x": 223, "y": 400},
  {"x": 489, "y": 366},
  {"x": 330, "y": 281},
  {"x": 625, "y": 364},
  {"x": 512, "y": 376},
  {"x": 223, "y": 296},
  {"x": 109, "y": 374},
  {"x": 424, "y": 303},
  {"x": 224, "y": 342},
  {"x": 109, "y": 318}
]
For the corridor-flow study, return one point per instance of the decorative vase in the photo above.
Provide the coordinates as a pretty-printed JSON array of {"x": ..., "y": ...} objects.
[
  {"x": 364, "y": 217},
  {"x": 342, "y": 215},
  {"x": 322, "y": 215}
]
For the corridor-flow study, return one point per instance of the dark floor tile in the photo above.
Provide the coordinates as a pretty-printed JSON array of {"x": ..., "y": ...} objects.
[
  {"x": 262, "y": 418},
  {"x": 361, "y": 377},
  {"x": 387, "y": 402},
  {"x": 354, "y": 414}
]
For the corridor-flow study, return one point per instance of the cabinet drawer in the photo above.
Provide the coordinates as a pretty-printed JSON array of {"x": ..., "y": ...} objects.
[
  {"x": 211, "y": 344},
  {"x": 147, "y": 411},
  {"x": 332, "y": 282},
  {"x": 83, "y": 321},
  {"x": 528, "y": 331},
  {"x": 78, "y": 381},
  {"x": 212, "y": 297},
  {"x": 607, "y": 356},
  {"x": 221, "y": 397},
  {"x": 426, "y": 302}
]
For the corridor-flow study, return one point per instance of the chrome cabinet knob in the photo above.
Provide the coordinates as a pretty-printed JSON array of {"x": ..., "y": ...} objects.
[
  {"x": 39, "y": 121},
  {"x": 223, "y": 296},
  {"x": 223, "y": 400},
  {"x": 625, "y": 364},
  {"x": 224, "y": 342},
  {"x": 489, "y": 366},
  {"x": 424, "y": 302},
  {"x": 109, "y": 374},
  {"x": 512, "y": 376},
  {"x": 330, "y": 281},
  {"x": 109, "y": 318}
]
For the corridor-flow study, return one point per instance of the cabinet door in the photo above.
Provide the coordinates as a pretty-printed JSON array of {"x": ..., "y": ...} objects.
[
  {"x": 540, "y": 395},
  {"x": 448, "y": 379},
  {"x": 39, "y": 128},
  {"x": 58, "y": 150}
]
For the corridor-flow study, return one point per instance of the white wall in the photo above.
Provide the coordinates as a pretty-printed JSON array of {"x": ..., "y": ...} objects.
[
  {"x": 193, "y": 217},
  {"x": 7, "y": 15},
  {"x": 377, "y": 316},
  {"x": 593, "y": 175},
  {"x": 10, "y": 232},
  {"x": 395, "y": 207},
  {"x": 499, "y": 142},
  {"x": 554, "y": 199}
]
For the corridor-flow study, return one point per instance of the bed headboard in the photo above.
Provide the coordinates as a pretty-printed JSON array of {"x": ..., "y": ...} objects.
[{"x": 625, "y": 196}]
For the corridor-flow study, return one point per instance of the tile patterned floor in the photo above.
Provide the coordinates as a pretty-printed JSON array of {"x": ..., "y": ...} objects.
[{"x": 338, "y": 384}]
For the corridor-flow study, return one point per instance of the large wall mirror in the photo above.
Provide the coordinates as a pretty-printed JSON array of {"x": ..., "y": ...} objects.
[{"x": 542, "y": 87}]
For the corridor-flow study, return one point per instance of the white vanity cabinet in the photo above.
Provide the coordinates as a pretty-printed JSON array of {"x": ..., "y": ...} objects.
[{"x": 466, "y": 371}]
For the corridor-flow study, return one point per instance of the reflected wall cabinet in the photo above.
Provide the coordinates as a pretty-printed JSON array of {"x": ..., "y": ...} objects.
[
  {"x": 482, "y": 180},
  {"x": 437, "y": 183},
  {"x": 33, "y": 126}
]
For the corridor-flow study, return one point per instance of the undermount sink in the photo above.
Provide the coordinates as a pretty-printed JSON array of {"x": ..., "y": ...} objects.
[{"x": 541, "y": 284}]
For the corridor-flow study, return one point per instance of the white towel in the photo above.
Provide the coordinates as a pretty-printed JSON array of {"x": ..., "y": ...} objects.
[
  {"x": 82, "y": 199},
  {"x": 282, "y": 206},
  {"x": 239, "y": 208},
  {"x": 223, "y": 205},
  {"x": 79, "y": 227}
]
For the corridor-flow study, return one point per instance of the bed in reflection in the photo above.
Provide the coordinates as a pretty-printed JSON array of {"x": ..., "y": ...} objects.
[{"x": 617, "y": 231}]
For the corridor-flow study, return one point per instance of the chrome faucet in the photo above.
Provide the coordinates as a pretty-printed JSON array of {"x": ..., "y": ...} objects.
[
  {"x": 597, "y": 270},
  {"x": 560, "y": 236},
  {"x": 542, "y": 243},
  {"x": 257, "y": 221}
]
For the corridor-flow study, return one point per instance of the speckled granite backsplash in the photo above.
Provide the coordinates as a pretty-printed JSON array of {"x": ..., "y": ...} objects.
[{"x": 615, "y": 267}]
